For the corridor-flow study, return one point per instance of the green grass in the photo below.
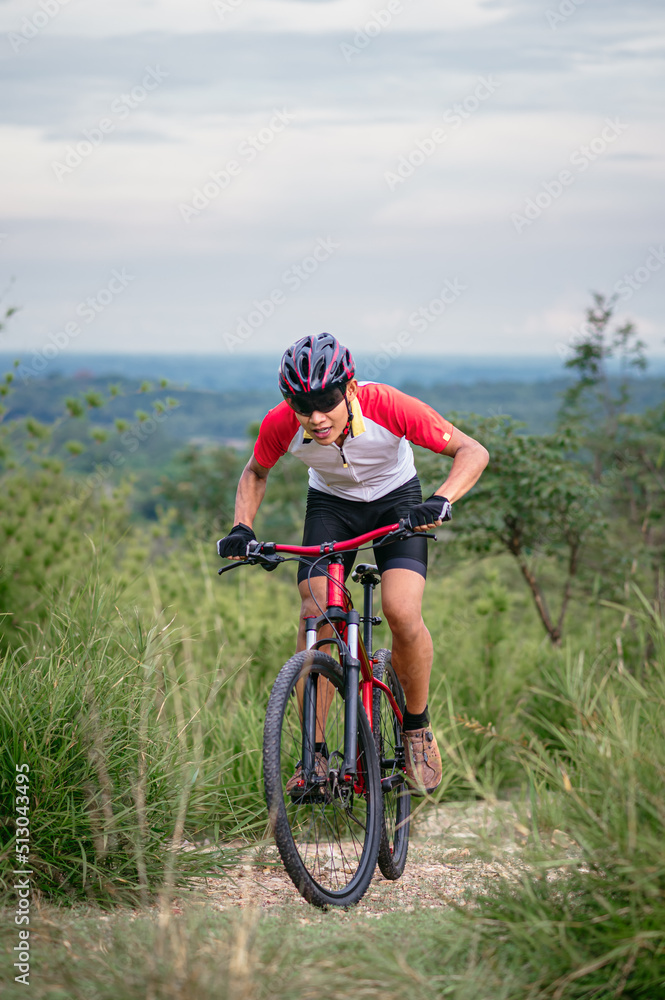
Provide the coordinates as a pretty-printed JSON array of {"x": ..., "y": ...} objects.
[{"x": 113, "y": 731}]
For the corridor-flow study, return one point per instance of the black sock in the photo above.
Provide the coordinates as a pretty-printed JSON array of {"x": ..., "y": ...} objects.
[
  {"x": 322, "y": 748},
  {"x": 419, "y": 721}
]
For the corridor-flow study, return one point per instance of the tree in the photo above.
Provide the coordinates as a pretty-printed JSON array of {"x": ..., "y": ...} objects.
[
  {"x": 595, "y": 402},
  {"x": 533, "y": 500},
  {"x": 626, "y": 449}
]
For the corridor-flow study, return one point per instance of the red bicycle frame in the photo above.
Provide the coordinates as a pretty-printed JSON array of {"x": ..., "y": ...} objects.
[
  {"x": 338, "y": 602},
  {"x": 344, "y": 621}
]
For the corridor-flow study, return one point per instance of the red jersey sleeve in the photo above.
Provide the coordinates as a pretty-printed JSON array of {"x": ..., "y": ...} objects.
[
  {"x": 278, "y": 428},
  {"x": 405, "y": 416}
]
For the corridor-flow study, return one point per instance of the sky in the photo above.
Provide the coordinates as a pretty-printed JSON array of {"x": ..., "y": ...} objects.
[{"x": 418, "y": 177}]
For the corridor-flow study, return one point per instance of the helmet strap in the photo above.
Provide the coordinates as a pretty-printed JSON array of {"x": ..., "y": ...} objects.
[{"x": 349, "y": 426}]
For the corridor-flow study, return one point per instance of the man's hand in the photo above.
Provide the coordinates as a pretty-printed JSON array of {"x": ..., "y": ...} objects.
[
  {"x": 234, "y": 545},
  {"x": 430, "y": 513}
]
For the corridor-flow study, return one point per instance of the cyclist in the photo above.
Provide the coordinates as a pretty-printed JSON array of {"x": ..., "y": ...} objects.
[{"x": 354, "y": 436}]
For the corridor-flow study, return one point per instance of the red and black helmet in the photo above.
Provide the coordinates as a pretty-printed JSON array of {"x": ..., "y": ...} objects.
[{"x": 314, "y": 364}]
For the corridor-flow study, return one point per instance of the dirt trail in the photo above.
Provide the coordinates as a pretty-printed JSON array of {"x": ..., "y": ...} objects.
[{"x": 456, "y": 850}]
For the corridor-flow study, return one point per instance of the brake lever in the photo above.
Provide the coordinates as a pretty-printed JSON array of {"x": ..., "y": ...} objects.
[
  {"x": 233, "y": 565},
  {"x": 404, "y": 531},
  {"x": 261, "y": 553},
  {"x": 412, "y": 533}
]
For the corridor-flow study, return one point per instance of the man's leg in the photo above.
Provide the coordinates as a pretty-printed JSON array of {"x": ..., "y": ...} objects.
[{"x": 412, "y": 654}]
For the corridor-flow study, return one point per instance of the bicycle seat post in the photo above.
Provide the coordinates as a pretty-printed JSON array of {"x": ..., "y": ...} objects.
[
  {"x": 368, "y": 577},
  {"x": 368, "y": 611}
]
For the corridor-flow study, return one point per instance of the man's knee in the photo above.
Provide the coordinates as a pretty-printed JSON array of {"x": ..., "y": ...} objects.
[
  {"x": 403, "y": 619},
  {"x": 308, "y": 605},
  {"x": 308, "y": 608}
]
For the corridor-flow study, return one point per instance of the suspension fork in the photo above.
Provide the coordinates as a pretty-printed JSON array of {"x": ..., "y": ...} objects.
[
  {"x": 368, "y": 626},
  {"x": 351, "y": 667},
  {"x": 368, "y": 612}
]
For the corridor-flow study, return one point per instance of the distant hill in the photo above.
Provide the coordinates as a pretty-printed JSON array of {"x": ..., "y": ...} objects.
[
  {"x": 228, "y": 373},
  {"x": 211, "y": 416}
]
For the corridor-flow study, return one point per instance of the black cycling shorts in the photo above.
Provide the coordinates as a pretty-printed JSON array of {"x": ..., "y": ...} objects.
[{"x": 330, "y": 518}]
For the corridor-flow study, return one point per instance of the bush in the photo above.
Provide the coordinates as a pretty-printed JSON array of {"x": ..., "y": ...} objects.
[{"x": 113, "y": 739}]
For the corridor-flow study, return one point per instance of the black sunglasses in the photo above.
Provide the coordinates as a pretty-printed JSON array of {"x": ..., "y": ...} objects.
[{"x": 308, "y": 403}]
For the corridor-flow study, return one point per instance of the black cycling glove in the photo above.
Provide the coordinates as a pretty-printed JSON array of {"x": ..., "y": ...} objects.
[
  {"x": 236, "y": 542},
  {"x": 435, "y": 508}
]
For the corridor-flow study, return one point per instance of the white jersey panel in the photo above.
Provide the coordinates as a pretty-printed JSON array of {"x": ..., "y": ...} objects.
[{"x": 377, "y": 462}]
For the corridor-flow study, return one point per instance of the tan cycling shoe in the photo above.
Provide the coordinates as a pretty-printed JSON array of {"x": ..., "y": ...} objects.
[
  {"x": 296, "y": 783},
  {"x": 423, "y": 760}
]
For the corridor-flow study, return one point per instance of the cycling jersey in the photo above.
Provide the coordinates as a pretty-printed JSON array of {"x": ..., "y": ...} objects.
[
  {"x": 329, "y": 517},
  {"x": 374, "y": 459}
]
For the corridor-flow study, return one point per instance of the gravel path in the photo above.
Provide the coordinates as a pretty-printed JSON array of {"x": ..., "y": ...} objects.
[{"x": 456, "y": 851}]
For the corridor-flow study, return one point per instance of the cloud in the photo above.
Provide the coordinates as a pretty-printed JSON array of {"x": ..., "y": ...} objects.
[{"x": 325, "y": 174}]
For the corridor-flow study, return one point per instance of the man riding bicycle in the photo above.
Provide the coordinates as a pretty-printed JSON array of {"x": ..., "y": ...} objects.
[{"x": 354, "y": 436}]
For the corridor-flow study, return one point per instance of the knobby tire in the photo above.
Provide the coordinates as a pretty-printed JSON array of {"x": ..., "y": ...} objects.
[
  {"x": 394, "y": 844},
  {"x": 328, "y": 844}
]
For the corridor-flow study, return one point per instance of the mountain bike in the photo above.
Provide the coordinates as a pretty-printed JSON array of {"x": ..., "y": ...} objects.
[{"x": 333, "y": 758}]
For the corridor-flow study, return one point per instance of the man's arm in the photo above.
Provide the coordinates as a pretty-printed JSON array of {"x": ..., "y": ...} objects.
[
  {"x": 469, "y": 459},
  {"x": 251, "y": 491}
]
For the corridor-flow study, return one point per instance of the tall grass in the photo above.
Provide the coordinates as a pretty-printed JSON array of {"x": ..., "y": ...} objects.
[
  {"x": 114, "y": 737},
  {"x": 598, "y": 929}
]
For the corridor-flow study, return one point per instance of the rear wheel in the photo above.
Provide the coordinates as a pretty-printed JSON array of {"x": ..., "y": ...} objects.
[
  {"x": 327, "y": 830},
  {"x": 390, "y": 750}
]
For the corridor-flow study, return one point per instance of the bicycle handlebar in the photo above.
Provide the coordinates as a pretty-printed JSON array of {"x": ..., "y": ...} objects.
[{"x": 267, "y": 554}]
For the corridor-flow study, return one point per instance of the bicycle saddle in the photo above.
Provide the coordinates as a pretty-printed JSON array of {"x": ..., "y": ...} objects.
[{"x": 366, "y": 573}]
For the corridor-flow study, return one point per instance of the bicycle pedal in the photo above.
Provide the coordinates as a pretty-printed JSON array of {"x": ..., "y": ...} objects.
[
  {"x": 392, "y": 781},
  {"x": 314, "y": 795}
]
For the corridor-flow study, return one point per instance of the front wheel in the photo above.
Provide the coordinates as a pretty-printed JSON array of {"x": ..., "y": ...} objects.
[
  {"x": 390, "y": 750},
  {"x": 327, "y": 829}
]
